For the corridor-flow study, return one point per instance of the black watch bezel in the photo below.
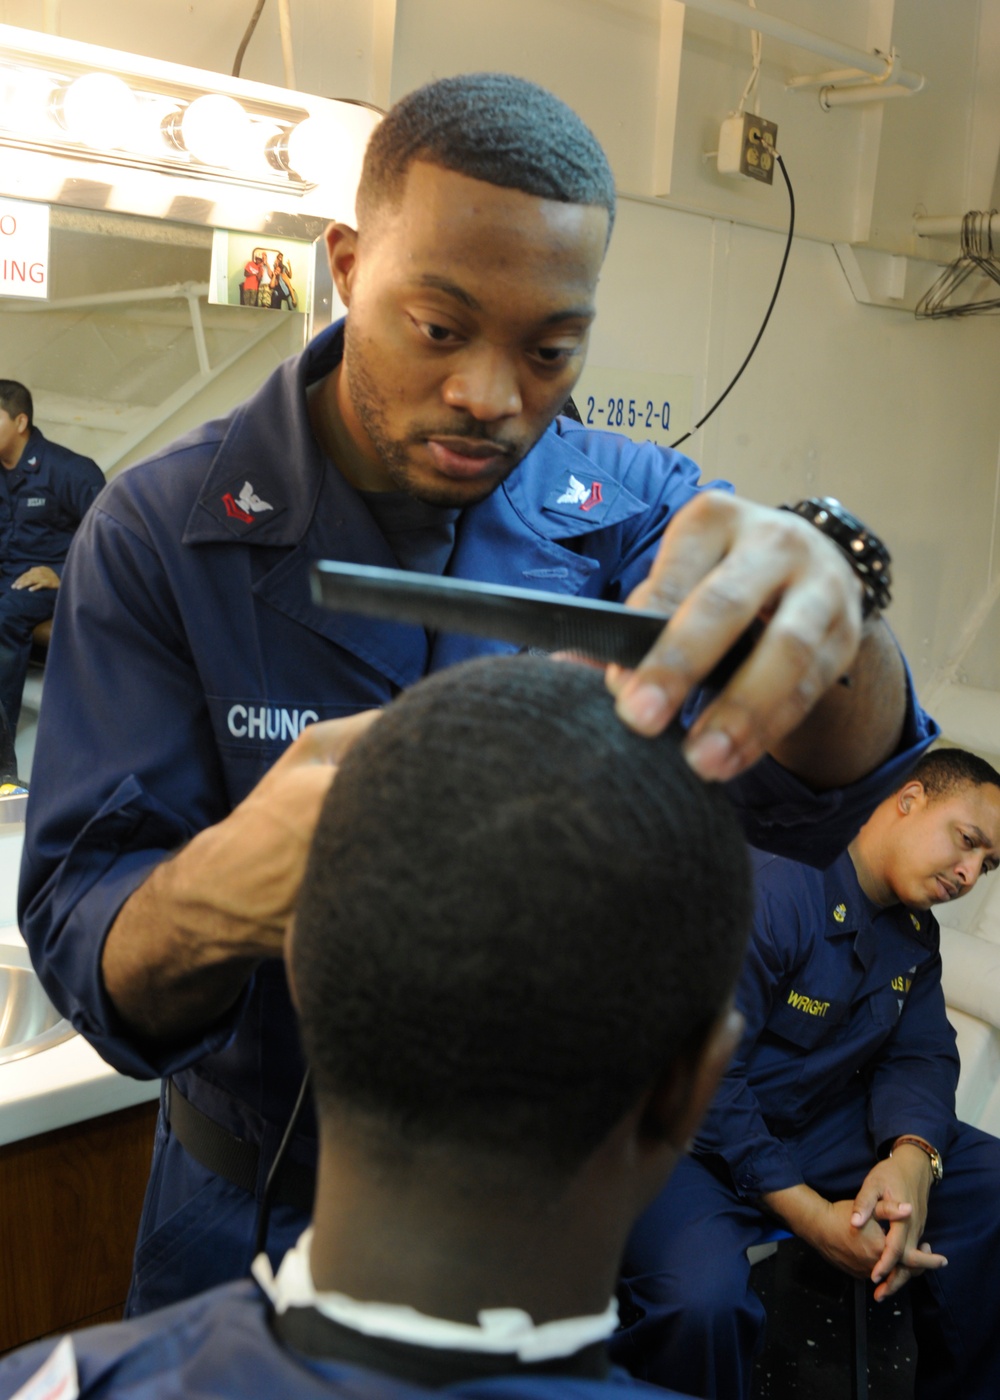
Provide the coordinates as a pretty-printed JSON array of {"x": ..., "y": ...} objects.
[{"x": 861, "y": 547}]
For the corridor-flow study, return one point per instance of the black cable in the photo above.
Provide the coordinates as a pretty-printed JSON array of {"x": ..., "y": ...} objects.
[
  {"x": 767, "y": 316},
  {"x": 264, "y": 1206},
  {"x": 238, "y": 60}
]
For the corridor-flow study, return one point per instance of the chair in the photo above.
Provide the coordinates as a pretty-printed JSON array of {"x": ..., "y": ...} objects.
[{"x": 766, "y": 1245}]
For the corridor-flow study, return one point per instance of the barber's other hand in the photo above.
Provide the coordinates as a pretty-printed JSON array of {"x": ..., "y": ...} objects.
[
  {"x": 248, "y": 867},
  {"x": 724, "y": 562},
  {"x": 41, "y": 576},
  {"x": 186, "y": 941}
]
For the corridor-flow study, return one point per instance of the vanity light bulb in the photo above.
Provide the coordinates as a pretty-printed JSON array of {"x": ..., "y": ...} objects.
[
  {"x": 216, "y": 130},
  {"x": 99, "y": 110},
  {"x": 24, "y": 101},
  {"x": 309, "y": 148},
  {"x": 328, "y": 150}
]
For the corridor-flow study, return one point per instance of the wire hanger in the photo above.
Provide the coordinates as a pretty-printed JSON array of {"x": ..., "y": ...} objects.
[{"x": 976, "y": 258}]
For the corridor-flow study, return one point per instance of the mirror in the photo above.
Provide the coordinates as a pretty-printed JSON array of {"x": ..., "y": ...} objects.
[{"x": 128, "y": 353}]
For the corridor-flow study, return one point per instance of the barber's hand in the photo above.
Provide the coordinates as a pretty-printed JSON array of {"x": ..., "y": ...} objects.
[
  {"x": 724, "y": 562},
  {"x": 249, "y": 866},
  {"x": 41, "y": 576},
  {"x": 896, "y": 1190},
  {"x": 186, "y": 941}
]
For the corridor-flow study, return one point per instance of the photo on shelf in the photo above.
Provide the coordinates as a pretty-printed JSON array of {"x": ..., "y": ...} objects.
[{"x": 275, "y": 276}]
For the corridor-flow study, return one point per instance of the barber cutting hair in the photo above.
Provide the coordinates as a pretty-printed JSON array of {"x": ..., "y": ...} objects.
[{"x": 164, "y": 852}]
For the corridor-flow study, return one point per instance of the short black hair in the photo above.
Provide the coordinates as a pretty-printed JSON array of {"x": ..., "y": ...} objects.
[
  {"x": 516, "y": 914},
  {"x": 492, "y": 127},
  {"x": 15, "y": 398},
  {"x": 942, "y": 771}
]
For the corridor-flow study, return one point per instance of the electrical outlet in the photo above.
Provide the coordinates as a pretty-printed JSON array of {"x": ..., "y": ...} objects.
[{"x": 747, "y": 146}]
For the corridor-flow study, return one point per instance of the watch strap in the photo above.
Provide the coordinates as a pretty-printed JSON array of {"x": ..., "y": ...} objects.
[{"x": 910, "y": 1139}]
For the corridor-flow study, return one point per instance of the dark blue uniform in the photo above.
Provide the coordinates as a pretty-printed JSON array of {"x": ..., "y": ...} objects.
[
  {"x": 222, "y": 1344},
  {"x": 847, "y": 1047},
  {"x": 42, "y": 501},
  {"x": 187, "y": 617}
]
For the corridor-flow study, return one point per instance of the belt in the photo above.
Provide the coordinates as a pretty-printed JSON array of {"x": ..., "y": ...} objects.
[{"x": 231, "y": 1157}]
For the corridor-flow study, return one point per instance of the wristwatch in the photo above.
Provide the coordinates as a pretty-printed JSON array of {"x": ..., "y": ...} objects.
[
  {"x": 937, "y": 1165},
  {"x": 862, "y": 549}
]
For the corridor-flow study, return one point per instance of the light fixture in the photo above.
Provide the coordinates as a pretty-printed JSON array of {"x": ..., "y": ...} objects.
[{"x": 96, "y": 114}]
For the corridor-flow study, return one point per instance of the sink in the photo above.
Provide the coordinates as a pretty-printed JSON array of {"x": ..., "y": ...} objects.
[
  {"x": 13, "y": 808},
  {"x": 28, "y": 1020}
]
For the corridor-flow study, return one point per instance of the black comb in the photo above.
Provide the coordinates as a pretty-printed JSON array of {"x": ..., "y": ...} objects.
[{"x": 599, "y": 631}]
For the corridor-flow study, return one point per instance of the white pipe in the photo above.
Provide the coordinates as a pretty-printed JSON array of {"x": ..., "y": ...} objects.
[
  {"x": 287, "y": 48},
  {"x": 866, "y": 92},
  {"x": 738, "y": 13},
  {"x": 850, "y": 77},
  {"x": 95, "y": 299},
  {"x": 201, "y": 348},
  {"x": 949, "y": 226},
  {"x": 845, "y": 77},
  {"x": 50, "y": 16}
]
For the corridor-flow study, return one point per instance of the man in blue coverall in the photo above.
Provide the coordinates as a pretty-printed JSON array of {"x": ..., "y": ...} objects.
[
  {"x": 45, "y": 491},
  {"x": 508, "y": 1055},
  {"x": 837, "y": 1115},
  {"x": 164, "y": 851}
]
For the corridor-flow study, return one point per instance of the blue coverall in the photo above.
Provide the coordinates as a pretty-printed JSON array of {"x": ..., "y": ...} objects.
[
  {"x": 42, "y": 501},
  {"x": 847, "y": 1046},
  {"x": 221, "y": 1344},
  {"x": 189, "y": 619}
]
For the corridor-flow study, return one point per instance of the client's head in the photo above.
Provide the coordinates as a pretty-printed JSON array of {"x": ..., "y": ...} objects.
[{"x": 517, "y": 917}]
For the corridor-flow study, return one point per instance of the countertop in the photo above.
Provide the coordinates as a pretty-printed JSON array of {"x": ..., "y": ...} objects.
[{"x": 68, "y": 1083}]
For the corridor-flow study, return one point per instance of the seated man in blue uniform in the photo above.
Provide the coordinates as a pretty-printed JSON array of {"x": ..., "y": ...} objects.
[
  {"x": 837, "y": 1116},
  {"x": 513, "y": 966},
  {"x": 45, "y": 491},
  {"x": 164, "y": 851}
]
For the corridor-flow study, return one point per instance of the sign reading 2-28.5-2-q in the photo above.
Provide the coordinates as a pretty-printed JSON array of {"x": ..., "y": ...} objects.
[
  {"x": 646, "y": 407},
  {"x": 622, "y": 413}
]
